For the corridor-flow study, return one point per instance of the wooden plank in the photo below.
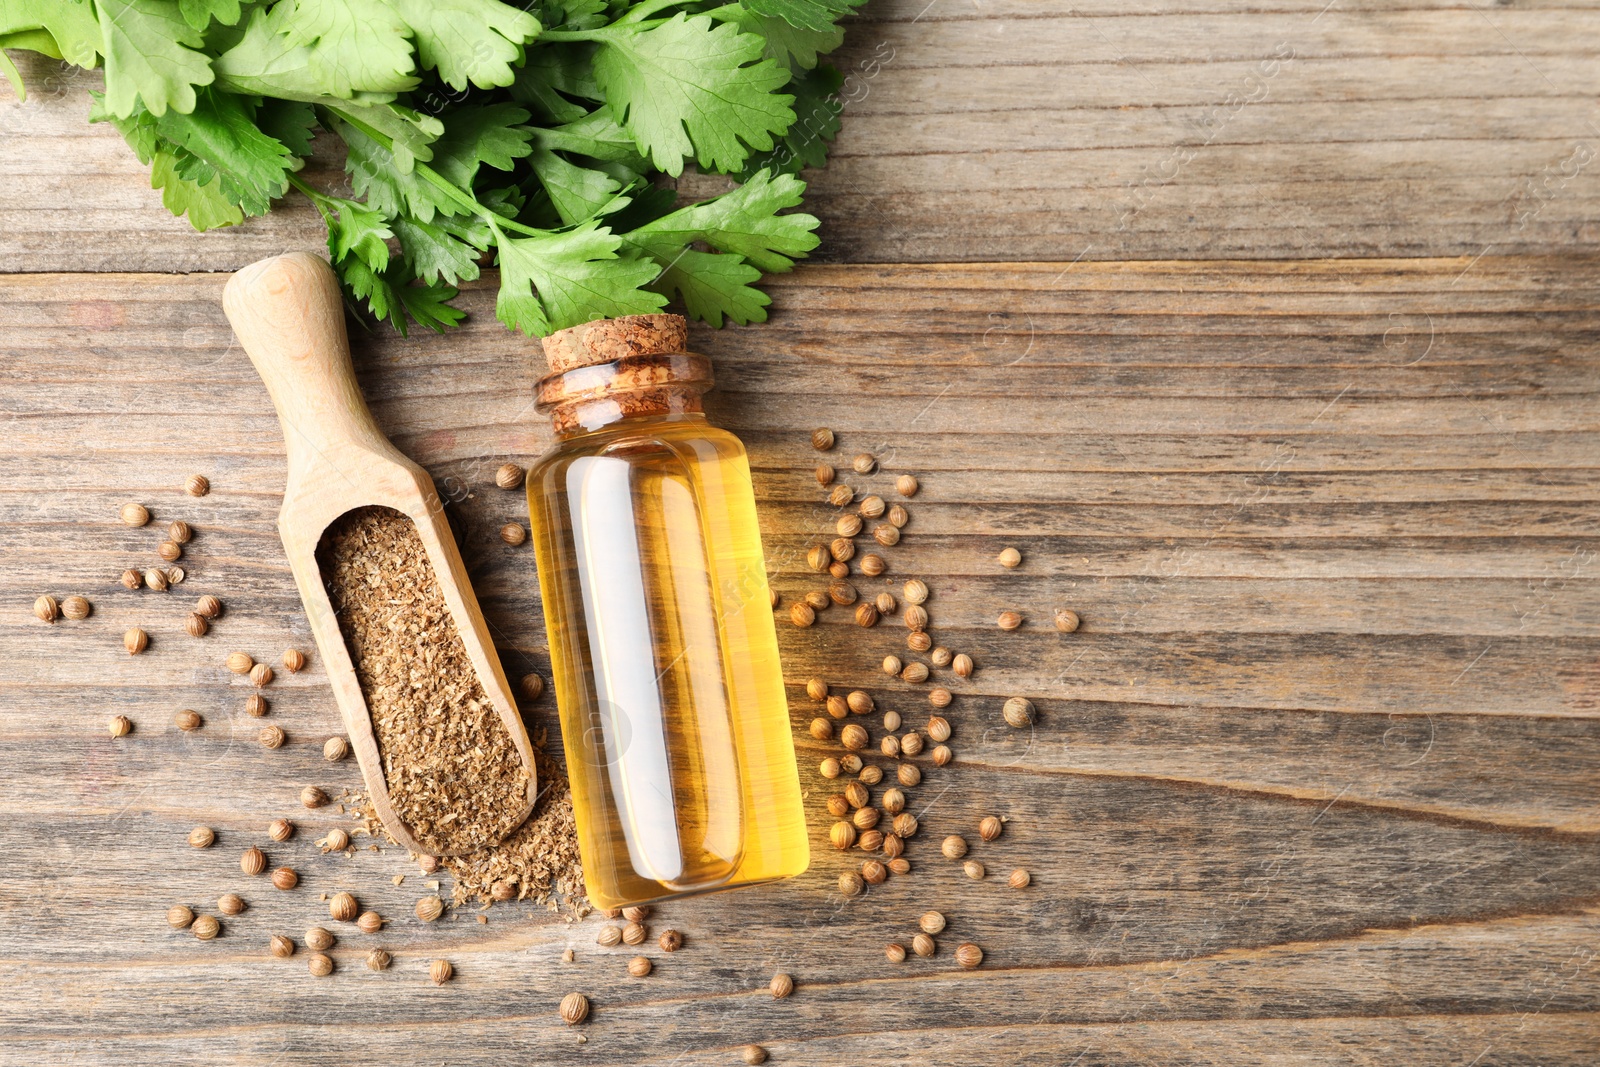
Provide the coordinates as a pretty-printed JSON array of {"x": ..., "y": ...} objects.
[
  {"x": 1113, "y": 131},
  {"x": 1318, "y": 781}
]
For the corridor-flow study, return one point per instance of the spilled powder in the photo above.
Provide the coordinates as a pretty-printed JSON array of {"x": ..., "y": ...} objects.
[{"x": 452, "y": 769}]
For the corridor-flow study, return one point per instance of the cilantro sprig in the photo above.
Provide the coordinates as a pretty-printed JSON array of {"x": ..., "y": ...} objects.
[{"x": 542, "y": 139}]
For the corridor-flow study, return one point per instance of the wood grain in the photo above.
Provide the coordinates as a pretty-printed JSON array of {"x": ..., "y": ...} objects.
[{"x": 1317, "y": 782}]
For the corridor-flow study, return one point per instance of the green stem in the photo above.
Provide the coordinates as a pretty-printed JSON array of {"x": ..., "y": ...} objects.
[{"x": 648, "y": 8}]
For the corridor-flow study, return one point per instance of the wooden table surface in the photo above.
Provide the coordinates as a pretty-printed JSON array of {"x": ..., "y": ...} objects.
[{"x": 1269, "y": 337}]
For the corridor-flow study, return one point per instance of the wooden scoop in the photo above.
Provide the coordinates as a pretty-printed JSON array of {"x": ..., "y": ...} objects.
[{"x": 288, "y": 315}]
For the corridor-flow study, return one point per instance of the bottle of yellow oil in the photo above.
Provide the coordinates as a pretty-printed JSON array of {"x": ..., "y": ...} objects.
[{"x": 662, "y": 643}]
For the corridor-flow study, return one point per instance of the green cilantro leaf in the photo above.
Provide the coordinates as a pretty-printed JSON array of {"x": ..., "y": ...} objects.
[
  {"x": 556, "y": 280},
  {"x": 690, "y": 87},
  {"x": 376, "y": 175},
  {"x": 59, "y": 29},
  {"x": 221, "y": 140},
  {"x": 492, "y": 134},
  {"x": 713, "y": 285},
  {"x": 205, "y": 205},
  {"x": 389, "y": 297},
  {"x": 355, "y": 229},
  {"x": 817, "y": 15},
  {"x": 805, "y": 144},
  {"x": 199, "y": 13},
  {"x": 290, "y": 123},
  {"x": 150, "y": 56},
  {"x": 354, "y": 44},
  {"x": 744, "y": 221},
  {"x": 432, "y": 252},
  {"x": 577, "y": 193},
  {"x": 473, "y": 41}
]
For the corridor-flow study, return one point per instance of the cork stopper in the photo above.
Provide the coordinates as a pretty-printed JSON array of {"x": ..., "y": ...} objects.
[
  {"x": 612, "y": 369},
  {"x": 608, "y": 340}
]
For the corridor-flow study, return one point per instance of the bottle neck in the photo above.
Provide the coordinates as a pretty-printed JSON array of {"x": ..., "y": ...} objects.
[{"x": 589, "y": 398}]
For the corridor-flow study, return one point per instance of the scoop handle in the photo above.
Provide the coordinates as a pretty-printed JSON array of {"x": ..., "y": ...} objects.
[{"x": 288, "y": 314}]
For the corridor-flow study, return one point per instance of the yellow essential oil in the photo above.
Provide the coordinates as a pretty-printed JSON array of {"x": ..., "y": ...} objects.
[{"x": 662, "y": 644}]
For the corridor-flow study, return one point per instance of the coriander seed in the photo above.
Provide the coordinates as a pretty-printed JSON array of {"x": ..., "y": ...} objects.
[
  {"x": 942, "y": 756},
  {"x": 671, "y": 941},
  {"x": 1009, "y": 557},
  {"x": 1009, "y": 620},
  {"x": 637, "y": 913},
  {"x": 891, "y": 665},
  {"x": 851, "y": 884},
  {"x": 840, "y": 495},
  {"x": 312, "y": 797},
  {"x": 169, "y": 551},
  {"x": 940, "y": 657},
  {"x": 119, "y": 726},
  {"x": 895, "y": 952},
  {"x": 285, "y": 878},
  {"x": 509, "y": 476},
  {"x": 781, "y": 986},
  {"x": 205, "y": 928},
  {"x": 176, "y": 575},
  {"x": 179, "y": 532},
  {"x": 842, "y": 548},
  {"x": 870, "y": 841},
  {"x": 45, "y": 609},
  {"x": 429, "y": 909},
  {"x": 271, "y": 737},
  {"x": 1067, "y": 621},
  {"x": 909, "y": 774},
  {"x": 824, "y": 474},
  {"x": 892, "y": 845},
  {"x": 801, "y": 614},
  {"x": 1018, "y": 712},
  {"x": 894, "y": 801},
  {"x": 252, "y": 861},
  {"x": 873, "y": 872},
  {"x": 817, "y": 689},
  {"x": 574, "y": 1008},
  {"x": 281, "y": 946},
  {"x": 886, "y": 535},
  {"x": 293, "y": 660},
  {"x": 179, "y": 917},
  {"x": 850, "y": 763},
  {"x": 954, "y": 847},
  {"x": 135, "y": 641},
  {"x": 848, "y": 525},
  {"x": 939, "y": 697},
  {"x": 906, "y": 485},
  {"x": 239, "y": 662},
  {"x": 990, "y": 827},
  {"x": 639, "y": 966},
  {"x": 197, "y": 485},
  {"x": 962, "y": 665},
  {"x": 898, "y": 516},
  {"x": 974, "y": 870},
  {"x": 335, "y": 748},
  {"x": 822, "y": 439},
  {"x": 260, "y": 675},
  {"x": 609, "y": 936},
  {"x": 378, "y": 960},
  {"x": 280, "y": 829},
  {"x": 441, "y": 971},
  {"x": 753, "y": 1054},
  {"x": 343, "y": 907},
  {"x": 915, "y": 673},
  {"x": 513, "y": 534},
  {"x": 838, "y": 806},
  {"x": 900, "y": 865},
  {"x": 829, "y": 768},
  {"x": 969, "y": 955},
  {"x": 889, "y": 745},
  {"x": 196, "y": 625},
  {"x": 76, "y": 608},
  {"x": 336, "y": 841},
  {"x": 202, "y": 837},
  {"x": 319, "y": 939},
  {"x": 872, "y": 565},
  {"x": 837, "y": 706},
  {"x": 634, "y": 933},
  {"x": 156, "y": 578},
  {"x": 134, "y": 514},
  {"x": 905, "y": 825},
  {"x": 911, "y": 744},
  {"x": 1019, "y": 879},
  {"x": 817, "y": 557},
  {"x": 864, "y": 464},
  {"x": 859, "y": 702},
  {"x": 916, "y": 591},
  {"x": 923, "y": 945},
  {"x": 871, "y": 507},
  {"x": 842, "y": 593},
  {"x": 821, "y": 729},
  {"x": 841, "y": 571},
  {"x": 210, "y": 607},
  {"x": 866, "y": 615},
  {"x": 870, "y": 775},
  {"x": 319, "y": 965},
  {"x": 132, "y": 579},
  {"x": 866, "y": 818},
  {"x": 531, "y": 686},
  {"x": 931, "y": 922},
  {"x": 856, "y": 794},
  {"x": 818, "y": 600},
  {"x": 938, "y": 728},
  {"x": 255, "y": 704},
  {"x": 915, "y": 617},
  {"x": 853, "y": 737}
]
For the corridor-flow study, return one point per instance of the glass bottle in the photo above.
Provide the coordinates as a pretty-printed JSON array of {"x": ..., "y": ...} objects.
[{"x": 662, "y": 644}]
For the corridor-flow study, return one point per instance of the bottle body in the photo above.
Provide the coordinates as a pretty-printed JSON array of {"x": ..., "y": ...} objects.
[{"x": 665, "y": 660}]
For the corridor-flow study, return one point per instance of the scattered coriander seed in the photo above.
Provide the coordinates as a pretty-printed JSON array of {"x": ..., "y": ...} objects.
[
  {"x": 336, "y": 841},
  {"x": 634, "y": 933},
  {"x": 939, "y": 697},
  {"x": 574, "y": 1008},
  {"x": 343, "y": 907},
  {"x": 866, "y": 614},
  {"x": 260, "y": 675},
  {"x": 132, "y": 579},
  {"x": 863, "y": 464},
  {"x": 636, "y": 913},
  {"x": 842, "y": 593},
  {"x": 818, "y": 600},
  {"x": 312, "y": 797},
  {"x": 753, "y": 1054},
  {"x": 1018, "y": 712},
  {"x": 850, "y": 763},
  {"x": 840, "y": 495},
  {"x": 135, "y": 641},
  {"x": 891, "y": 720},
  {"x": 817, "y": 557},
  {"x": 134, "y": 514},
  {"x": 280, "y": 829},
  {"x": 281, "y": 946},
  {"x": 974, "y": 870},
  {"x": 871, "y": 507},
  {"x": 76, "y": 608},
  {"x": 853, "y": 737},
  {"x": 179, "y": 917},
  {"x": 285, "y": 878},
  {"x": 860, "y": 702},
  {"x": 857, "y": 795},
  {"x": 837, "y": 706},
  {"x": 900, "y": 865},
  {"x": 916, "y": 591},
  {"x": 240, "y": 663},
  {"x": 801, "y": 614},
  {"x": 509, "y": 476},
  {"x": 940, "y": 657},
  {"x": 378, "y": 960},
  {"x": 1009, "y": 557},
  {"x": 990, "y": 827},
  {"x": 1067, "y": 621},
  {"x": 440, "y": 971},
  {"x": 906, "y": 485},
  {"x": 886, "y": 535},
  {"x": 938, "y": 728},
  {"x": 429, "y": 909},
  {"x": 942, "y": 755},
  {"x": 895, "y": 952},
  {"x": 838, "y": 806},
  {"x": 839, "y": 570},
  {"x": 851, "y": 884},
  {"x": 923, "y": 945},
  {"x": 870, "y": 775},
  {"x": 821, "y": 729},
  {"x": 176, "y": 575},
  {"x": 870, "y": 840},
  {"x": 842, "y": 549},
  {"x": 156, "y": 579},
  {"x": 954, "y": 847},
  {"x": 513, "y": 534},
  {"x": 196, "y": 625},
  {"x": 252, "y": 861},
  {"x": 822, "y": 439},
  {"x": 909, "y": 774},
  {"x": 891, "y": 665},
  {"x": 503, "y": 889},
  {"x": 962, "y": 665},
  {"x": 231, "y": 904},
  {"x": 202, "y": 837},
  {"x": 892, "y": 845},
  {"x": 197, "y": 485},
  {"x": 671, "y": 941},
  {"x": 293, "y": 660},
  {"x": 169, "y": 551},
  {"x": 271, "y": 736},
  {"x": 1019, "y": 879},
  {"x": 873, "y": 872},
  {"x": 889, "y": 745},
  {"x": 45, "y": 609},
  {"x": 898, "y": 516},
  {"x": 872, "y": 565},
  {"x": 825, "y": 474},
  {"x": 866, "y": 818},
  {"x": 609, "y": 937},
  {"x": 205, "y": 928},
  {"x": 210, "y": 607},
  {"x": 319, "y": 965},
  {"x": 531, "y": 686},
  {"x": 829, "y": 768},
  {"x": 816, "y": 689},
  {"x": 931, "y": 922},
  {"x": 335, "y": 748},
  {"x": 179, "y": 532},
  {"x": 911, "y": 744},
  {"x": 1009, "y": 620},
  {"x": 119, "y": 726},
  {"x": 429, "y": 864},
  {"x": 915, "y": 673},
  {"x": 255, "y": 704},
  {"x": 894, "y": 802},
  {"x": 969, "y": 955},
  {"x": 639, "y": 966},
  {"x": 848, "y": 525},
  {"x": 915, "y": 617}
]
